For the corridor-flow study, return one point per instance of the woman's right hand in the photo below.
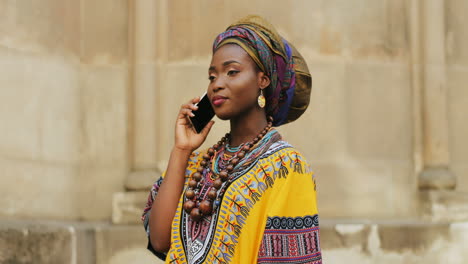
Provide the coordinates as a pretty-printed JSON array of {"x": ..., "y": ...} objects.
[{"x": 186, "y": 138}]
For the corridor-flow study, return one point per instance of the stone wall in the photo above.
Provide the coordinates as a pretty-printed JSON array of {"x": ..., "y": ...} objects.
[
  {"x": 358, "y": 128},
  {"x": 63, "y": 106},
  {"x": 89, "y": 91},
  {"x": 457, "y": 80},
  {"x": 342, "y": 242}
]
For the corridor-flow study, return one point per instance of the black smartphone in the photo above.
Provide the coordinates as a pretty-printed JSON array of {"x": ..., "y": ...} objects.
[{"x": 203, "y": 114}]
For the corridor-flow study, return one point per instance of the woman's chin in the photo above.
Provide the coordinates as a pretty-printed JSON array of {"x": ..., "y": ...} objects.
[{"x": 223, "y": 117}]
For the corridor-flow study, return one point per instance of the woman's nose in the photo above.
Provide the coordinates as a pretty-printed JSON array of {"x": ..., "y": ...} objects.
[{"x": 218, "y": 84}]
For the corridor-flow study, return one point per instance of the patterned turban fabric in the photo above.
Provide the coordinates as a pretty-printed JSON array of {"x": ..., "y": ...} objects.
[{"x": 288, "y": 94}]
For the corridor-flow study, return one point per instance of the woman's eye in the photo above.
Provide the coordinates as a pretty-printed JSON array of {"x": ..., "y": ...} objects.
[
  {"x": 211, "y": 78},
  {"x": 232, "y": 72}
]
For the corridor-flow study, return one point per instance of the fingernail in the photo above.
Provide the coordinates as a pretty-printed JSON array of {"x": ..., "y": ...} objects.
[{"x": 192, "y": 114}]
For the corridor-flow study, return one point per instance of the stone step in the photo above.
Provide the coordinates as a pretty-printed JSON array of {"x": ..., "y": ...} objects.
[
  {"x": 394, "y": 241},
  {"x": 141, "y": 180},
  {"x": 342, "y": 241},
  {"x": 48, "y": 242},
  {"x": 444, "y": 206},
  {"x": 127, "y": 207},
  {"x": 436, "y": 206}
]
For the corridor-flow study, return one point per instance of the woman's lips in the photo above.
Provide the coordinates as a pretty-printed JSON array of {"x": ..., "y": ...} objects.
[{"x": 218, "y": 100}]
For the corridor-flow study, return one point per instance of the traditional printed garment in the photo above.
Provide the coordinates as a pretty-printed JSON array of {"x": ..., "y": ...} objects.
[{"x": 268, "y": 213}]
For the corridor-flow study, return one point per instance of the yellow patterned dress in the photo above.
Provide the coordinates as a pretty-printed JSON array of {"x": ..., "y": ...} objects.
[{"x": 268, "y": 213}]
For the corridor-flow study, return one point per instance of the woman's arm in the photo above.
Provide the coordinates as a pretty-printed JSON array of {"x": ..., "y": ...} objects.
[
  {"x": 292, "y": 214},
  {"x": 165, "y": 203}
]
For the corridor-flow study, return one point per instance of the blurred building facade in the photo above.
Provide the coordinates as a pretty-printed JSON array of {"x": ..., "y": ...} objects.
[{"x": 89, "y": 92}]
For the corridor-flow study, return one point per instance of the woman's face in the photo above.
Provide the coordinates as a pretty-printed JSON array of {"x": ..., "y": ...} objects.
[{"x": 234, "y": 82}]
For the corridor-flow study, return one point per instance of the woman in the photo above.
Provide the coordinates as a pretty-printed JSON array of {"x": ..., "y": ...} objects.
[{"x": 251, "y": 197}]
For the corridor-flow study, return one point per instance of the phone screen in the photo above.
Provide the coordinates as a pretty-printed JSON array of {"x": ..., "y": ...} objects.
[{"x": 203, "y": 114}]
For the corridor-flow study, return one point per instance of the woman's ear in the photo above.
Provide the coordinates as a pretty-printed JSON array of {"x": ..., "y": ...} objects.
[{"x": 263, "y": 80}]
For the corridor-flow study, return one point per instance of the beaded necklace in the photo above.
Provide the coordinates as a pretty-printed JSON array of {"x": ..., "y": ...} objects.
[
  {"x": 220, "y": 165},
  {"x": 233, "y": 149}
]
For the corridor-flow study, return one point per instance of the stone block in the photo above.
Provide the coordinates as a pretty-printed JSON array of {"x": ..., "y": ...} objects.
[
  {"x": 206, "y": 30},
  {"x": 141, "y": 180},
  {"x": 341, "y": 192},
  {"x": 320, "y": 133},
  {"x": 123, "y": 245},
  {"x": 321, "y": 31},
  {"x": 189, "y": 21},
  {"x": 146, "y": 105},
  {"x": 180, "y": 30},
  {"x": 344, "y": 235},
  {"x": 86, "y": 248},
  {"x": 342, "y": 241},
  {"x": 104, "y": 31},
  {"x": 36, "y": 243},
  {"x": 46, "y": 242},
  {"x": 417, "y": 238},
  {"x": 36, "y": 102},
  {"x": 361, "y": 30},
  {"x": 59, "y": 120},
  {"x": 276, "y": 16},
  {"x": 51, "y": 190},
  {"x": 435, "y": 115},
  {"x": 127, "y": 207},
  {"x": 50, "y": 26},
  {"x": 7, "y": 16},
  {"x": 104, "y": 160},
  {"x": 104, "y": 114},
  {"x": 457, "y": 78},
  {"x": 143, "y": 38},
  {"x": 456, "y": 32},
  {"x": 20, "y": 106},
  {"x": 460, "y": 170},
  {"x": 436, "y": 178},
  {"x": 40, "y": 135},
  {"x": 459, "y": 234},
  {"x": 444, "y": 206},
  {"x": 393, "y": 241},
  {"x": 97, "y": 186},
  {"x": 405, "y": 192},
  {"x": 379, "y": 126}
]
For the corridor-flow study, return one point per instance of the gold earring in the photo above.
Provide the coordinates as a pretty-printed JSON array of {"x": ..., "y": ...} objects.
[{"x": 261, "y": 99}]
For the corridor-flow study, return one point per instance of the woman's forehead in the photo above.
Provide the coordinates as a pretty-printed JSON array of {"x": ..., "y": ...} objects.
[{"x": 230, "y": 52}]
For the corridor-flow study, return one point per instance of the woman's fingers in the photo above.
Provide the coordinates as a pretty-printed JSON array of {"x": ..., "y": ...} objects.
[
  {"x": 195, "y": 100},
  {"x": 186, "y": 109},
  {"x": 207, "y": 129},
  {"x": 187, "y": 112},
  {"x": 191, "y": 104}
]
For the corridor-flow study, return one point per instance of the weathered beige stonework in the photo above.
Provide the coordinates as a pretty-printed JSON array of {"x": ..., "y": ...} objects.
[
  {"x": 89, "y": 91},
  {"x": 457, "y": 78},
  {"x": 436, "y": 173},
  {"x": 356, "y": 241},
  {"x": 127, "y": 207}
]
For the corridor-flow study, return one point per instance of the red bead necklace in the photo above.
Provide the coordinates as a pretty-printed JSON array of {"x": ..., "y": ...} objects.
[{"x": 194, "y": 205}]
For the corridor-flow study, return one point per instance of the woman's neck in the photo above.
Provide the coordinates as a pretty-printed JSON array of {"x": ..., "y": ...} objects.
[{"x": 245, "y": 129}]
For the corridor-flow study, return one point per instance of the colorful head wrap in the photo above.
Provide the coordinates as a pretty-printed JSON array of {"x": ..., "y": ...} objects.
[{"x": 288, "y": 94}]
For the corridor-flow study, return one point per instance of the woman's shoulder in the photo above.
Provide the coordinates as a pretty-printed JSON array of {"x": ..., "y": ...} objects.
[
  {"x": 282, "y": 147},
  {"x": 285, "y": 154}
]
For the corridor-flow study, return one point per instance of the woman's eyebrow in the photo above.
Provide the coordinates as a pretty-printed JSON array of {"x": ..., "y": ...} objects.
[
  {"x": 226, "y": 63},
  {"x": 230, "y": 62}
]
